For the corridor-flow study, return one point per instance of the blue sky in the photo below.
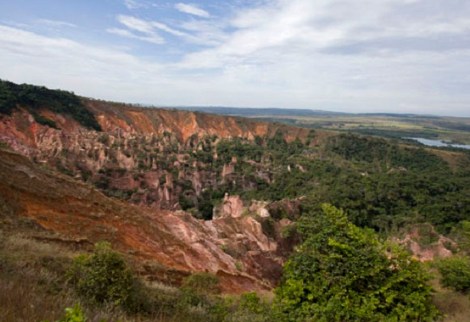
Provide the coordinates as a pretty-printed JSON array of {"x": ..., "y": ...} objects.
[{"x": 404, "y": 56}]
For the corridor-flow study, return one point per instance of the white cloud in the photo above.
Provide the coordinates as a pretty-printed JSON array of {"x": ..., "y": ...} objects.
[
  {"x": 192, "y": 10},
  {"x": 137, "y": 29},
  {"x": 151, "y": 38},
  {"x": 135, "y": 24},
  {"x": 56, "y": 23},
  {"x": 306, "y": 27},
  {"x": 147, "y": 30},
  {"x": 368, "y": 55},
  {"x": 89, "y": 70},
  {"x": 133, "y": 4},
  {"x": 206, "y": 32},
  {"x": 163, "y": 27}
]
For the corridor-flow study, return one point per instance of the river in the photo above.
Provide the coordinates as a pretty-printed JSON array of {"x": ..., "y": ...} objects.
[{"x": 439, "y": 143}]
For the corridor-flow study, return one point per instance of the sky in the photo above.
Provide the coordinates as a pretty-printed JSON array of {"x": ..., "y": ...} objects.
[{"x": 399, "y": 56}]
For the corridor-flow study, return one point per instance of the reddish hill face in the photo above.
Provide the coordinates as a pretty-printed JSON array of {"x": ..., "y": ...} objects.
[
  {"x": 143, "y": 148},
  {"x": 146, "y": 156},
  {"x": 164, "y": 245},
  {"x": 183, "y": 124}
]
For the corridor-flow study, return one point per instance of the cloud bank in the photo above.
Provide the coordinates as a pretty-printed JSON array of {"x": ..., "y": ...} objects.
[
  {"x": 192, "y": 10},
  {"x": 410, "y": 56}
]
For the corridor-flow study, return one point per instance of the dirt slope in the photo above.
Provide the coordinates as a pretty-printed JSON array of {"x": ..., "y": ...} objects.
[
  {"x": 146, "y": 121},
  {"x": 164, "y": 245}
]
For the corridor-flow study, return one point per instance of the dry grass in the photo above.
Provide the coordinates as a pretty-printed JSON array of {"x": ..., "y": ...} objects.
[
  {"x": 454, "y": 306},
  {"x": 33, "y": 287},
  {"x": 32, "y": 282},
  {"x": 28, "y": 248},
  {"x": 22, "y": 299}
]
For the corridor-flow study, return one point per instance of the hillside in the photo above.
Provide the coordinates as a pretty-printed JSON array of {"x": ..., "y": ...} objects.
[
  {"x": 132, "y": 152},
  {"x": 164, "y": 245},
  {"x": 389, "y": 125},
  {"x": 179, "y": 192}
]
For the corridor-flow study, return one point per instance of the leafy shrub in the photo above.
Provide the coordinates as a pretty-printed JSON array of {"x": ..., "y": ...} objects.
[
  {"x": 198, "y": 298},
  {"x": 73, "y": 314},
  {"x": 202, "y": 283},
  {"x": 344, "y": 273},
  {"x": 250, "y": 308},
  {"x": 461, "y": 234},
  {"x": 252, "y": 302},
  {"x": 455, "y": 273},
  {"x": 186, "y": 202},
  {"x": 44, "y": 120},
  {"x": 427, "y": 236},
  {"x": 103, "y": 277},
  {"x": 268, "y": 225}
]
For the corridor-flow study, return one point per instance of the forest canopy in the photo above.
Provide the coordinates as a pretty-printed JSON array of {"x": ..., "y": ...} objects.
[{"x": 35, "y": 98}]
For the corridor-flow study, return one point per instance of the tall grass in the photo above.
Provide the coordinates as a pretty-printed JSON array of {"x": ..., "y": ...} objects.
[
  {"x": 454, "y": 306},
  {"x": 34, "y": 286},
  {"x": 32, "y": 283}
]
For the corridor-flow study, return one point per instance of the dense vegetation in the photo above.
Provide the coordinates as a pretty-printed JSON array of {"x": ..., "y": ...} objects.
[
  {"x": 382, "y": 185},
  {"x": 344, "y": 273},
  {"x": 455, "y": 273},
  {"x": 35, "y": 98},
  {"x": 347, "y": 278}
]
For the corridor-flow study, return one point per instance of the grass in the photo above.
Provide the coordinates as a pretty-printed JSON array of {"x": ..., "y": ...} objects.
[
  {"x": 454, "y": 306},
  {"x": 26, "y": 296},
  {"x": 34, "y": 287},
  {"x": 32, "y": 283}
]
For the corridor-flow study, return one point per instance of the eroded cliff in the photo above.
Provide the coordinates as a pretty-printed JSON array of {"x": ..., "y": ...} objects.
[{"x": 147, "y": 162}]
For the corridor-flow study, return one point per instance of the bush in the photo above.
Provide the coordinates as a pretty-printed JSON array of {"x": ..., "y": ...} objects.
[
  {"x": 249, "y": 308},
  {"x": 103, "y": 277},
  {"x": 455, "y": 273},
  {"x": 461, "y": 234},
  {"x": 202, "y": 283},
  {"x": 344, "y": 273},
  {"x": 73, "y": 314},
  {"x": 251, "y": 302},
  {"x": 268, "y": 226}
]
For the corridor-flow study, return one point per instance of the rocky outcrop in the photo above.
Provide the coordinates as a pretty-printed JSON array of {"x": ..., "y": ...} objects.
[
  {"x": 145, "y": 157},
  {"x": 231, "y": 246},
  {"x": 426, "y": 244},
  {"x": 232, "y": 206}
]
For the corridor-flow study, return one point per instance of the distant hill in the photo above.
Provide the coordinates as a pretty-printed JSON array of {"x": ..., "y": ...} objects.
[
  {"x": 391, "y": 125},
  {"x": 292, "y": 112},
  {"x": 257, "y": 112}
]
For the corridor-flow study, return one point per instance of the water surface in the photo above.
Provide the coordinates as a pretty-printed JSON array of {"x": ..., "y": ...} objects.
[{"x": 439, "y": 143}]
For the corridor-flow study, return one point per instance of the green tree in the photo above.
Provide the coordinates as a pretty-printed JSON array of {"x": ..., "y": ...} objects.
[
  {"x": 455, "y": 273},
  {"x": 344, "y": 273},
  {"x": 103, "y": 277},
  {"x": 461, "y": 234}
]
